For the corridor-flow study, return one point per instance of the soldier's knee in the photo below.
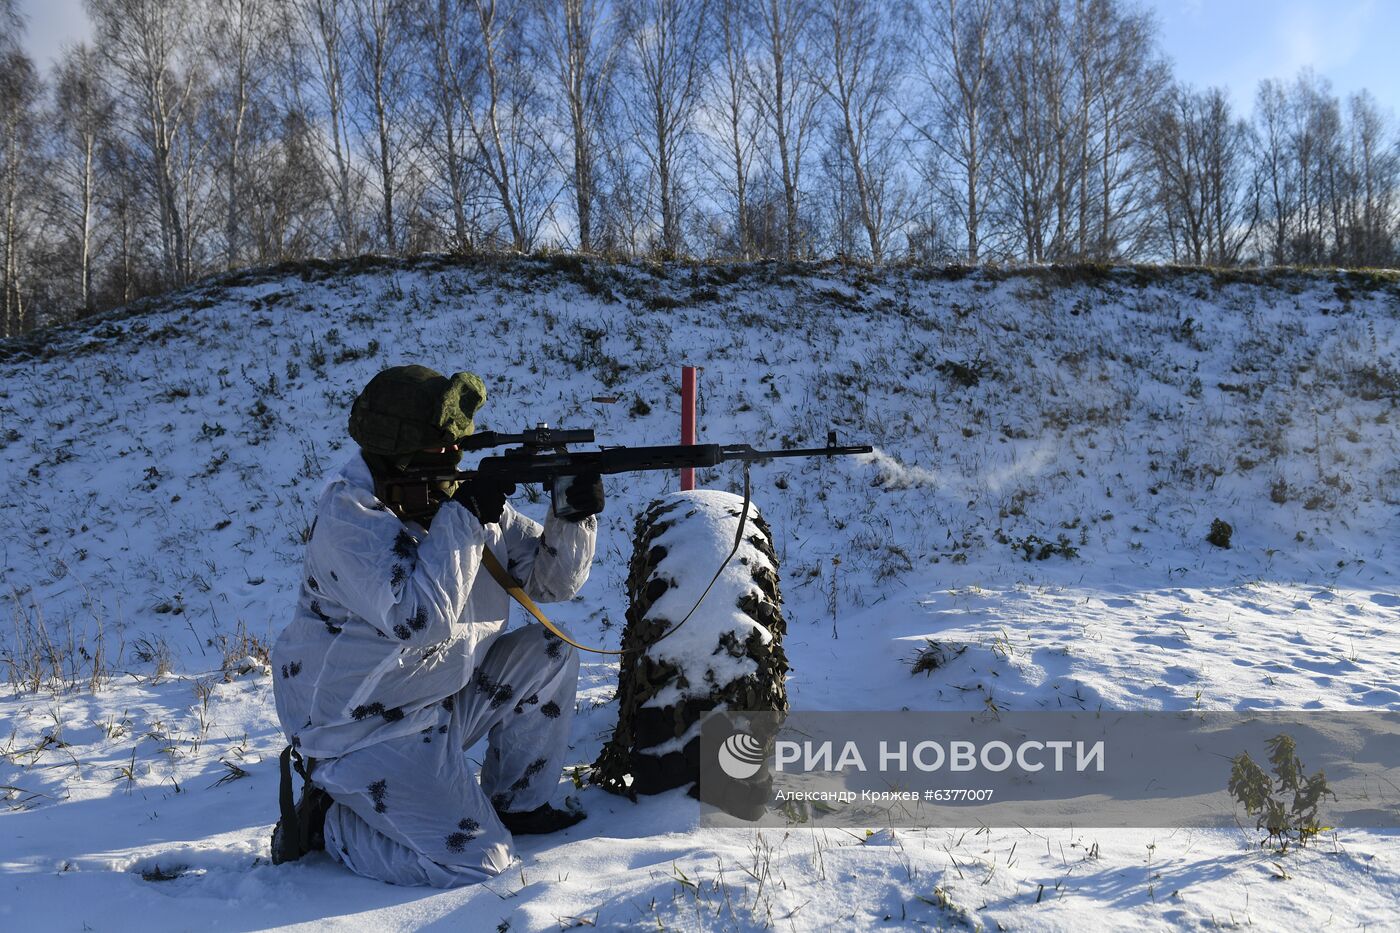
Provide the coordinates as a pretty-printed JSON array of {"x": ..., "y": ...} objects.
[{"x": 558, "y": 650}]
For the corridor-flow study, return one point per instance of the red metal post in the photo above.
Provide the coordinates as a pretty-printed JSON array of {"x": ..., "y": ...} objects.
[{"x": 687, "y": 421}]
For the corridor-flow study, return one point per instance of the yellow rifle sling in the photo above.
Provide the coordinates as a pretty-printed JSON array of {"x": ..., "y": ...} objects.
[{"x": 517, "y": 593}]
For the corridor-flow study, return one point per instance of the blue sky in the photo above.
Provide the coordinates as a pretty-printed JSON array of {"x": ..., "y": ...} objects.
[
  {"x": 1238, "y": 43},
  {"x": 1234, "y": 43}
]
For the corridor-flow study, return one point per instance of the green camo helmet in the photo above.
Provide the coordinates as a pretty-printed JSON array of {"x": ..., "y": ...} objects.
[{"x": 408, "y": 408}]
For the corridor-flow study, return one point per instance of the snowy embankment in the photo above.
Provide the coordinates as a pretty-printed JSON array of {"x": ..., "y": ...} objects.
[{"x": 1053, "y": 448}]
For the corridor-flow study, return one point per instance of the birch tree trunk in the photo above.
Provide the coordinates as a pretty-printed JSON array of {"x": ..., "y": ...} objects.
[
  {"x": 666, "y": 38},
  {"x": 788, "y": 93},
  {"x": 322, "y": 23},
  {"x": 860, "y": 80},
  {"x": 584, "y": 50}
]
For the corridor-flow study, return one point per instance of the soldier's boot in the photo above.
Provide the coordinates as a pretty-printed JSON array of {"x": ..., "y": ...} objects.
[
  {"x": 542, "y": 819},
  {"x": 302, "y": 828}
]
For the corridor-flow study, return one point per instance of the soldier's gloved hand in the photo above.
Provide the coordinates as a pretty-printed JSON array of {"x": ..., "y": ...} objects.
[
  {"x": 582, "y": 496},
  {"x": 484, "y": 497}
]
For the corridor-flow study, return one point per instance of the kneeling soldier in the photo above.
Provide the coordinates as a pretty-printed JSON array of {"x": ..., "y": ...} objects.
[{"x": 396, "y": 661}]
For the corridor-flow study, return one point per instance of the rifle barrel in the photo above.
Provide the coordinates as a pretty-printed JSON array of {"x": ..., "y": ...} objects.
[{"x": 745, "y": 452}]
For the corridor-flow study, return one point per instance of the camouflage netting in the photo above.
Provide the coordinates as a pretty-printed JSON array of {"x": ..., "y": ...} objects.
[{"x": 665, "y": 688}]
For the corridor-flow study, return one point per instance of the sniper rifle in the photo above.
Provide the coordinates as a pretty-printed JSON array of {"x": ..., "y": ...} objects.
[{"x": 543, "y": 457}]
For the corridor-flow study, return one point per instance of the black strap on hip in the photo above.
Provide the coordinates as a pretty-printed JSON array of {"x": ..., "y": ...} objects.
[{"x": 291, "y": 832}]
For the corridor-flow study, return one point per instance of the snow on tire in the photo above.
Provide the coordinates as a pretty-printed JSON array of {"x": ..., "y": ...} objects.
[{"x": 729, "y": 654}]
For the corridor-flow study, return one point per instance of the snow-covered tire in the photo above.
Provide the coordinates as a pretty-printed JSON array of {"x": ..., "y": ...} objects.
[{"x": 657, "y": 745}]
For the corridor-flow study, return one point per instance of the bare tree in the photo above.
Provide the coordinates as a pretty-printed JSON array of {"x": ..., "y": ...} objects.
[
  {"x": 503, "y": 115},
  {"x": 788, "y": 94},
  {"x": 667, "y": 42},
  {"x": 196, "y": 134},
  {"x": 1314, "y": 141},
  {"x": 1373, "y": 182},
  {"x": 1032, "y": 131},
  {"x": 627, "y": 194},
  {"x": 289, "y": 204},
  {"x": 144, "y": 41},
  {"x": 957, "y": 46},
  {"x": 733, "y": 120},
  {"x": 12, "y": 35},
  {"x": 452, "y": 55},
  {"x": 19, "y": 96},
  {"x": 84, "y": 110},
  {"x": 322, "y": 25},
  {"x": 583, "y": 43},
  {"x": 1328, "y": 178},
  {"x": 1205, "y": 187},
  {"x": 196, "y": 171},
  {"x": 381, "y": 32},
  {"x": 860, "y": 82},
  {"x": 1271, "y": 119},
  {"x": 238, "y": 39},
  {"x": 1121, "y": 82},
  {"x": 132, "y": 272}
]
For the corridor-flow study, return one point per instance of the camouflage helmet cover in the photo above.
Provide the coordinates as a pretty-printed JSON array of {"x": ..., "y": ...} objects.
[{"x": 409, "y": 408}]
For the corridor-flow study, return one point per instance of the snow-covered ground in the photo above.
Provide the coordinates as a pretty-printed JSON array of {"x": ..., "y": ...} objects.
[{"x": 159, "y": 473}]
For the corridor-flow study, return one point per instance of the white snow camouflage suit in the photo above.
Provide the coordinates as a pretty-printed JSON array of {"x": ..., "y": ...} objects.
[{"x": 395, "y": 663}]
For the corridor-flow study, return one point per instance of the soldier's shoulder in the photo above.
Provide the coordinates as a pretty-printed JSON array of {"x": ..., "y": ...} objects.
[{"x": 348, "y": 497}]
